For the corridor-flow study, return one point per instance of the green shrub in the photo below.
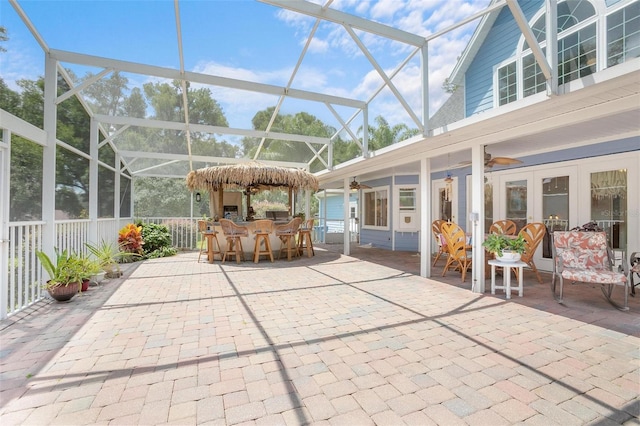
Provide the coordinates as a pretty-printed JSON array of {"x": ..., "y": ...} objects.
[
  {"x": 162, "y": 252},
  {"x": 156, "y": 238}
]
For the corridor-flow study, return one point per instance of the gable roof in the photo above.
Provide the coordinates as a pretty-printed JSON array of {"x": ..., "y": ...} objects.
[{"x": 476, "y": 41}]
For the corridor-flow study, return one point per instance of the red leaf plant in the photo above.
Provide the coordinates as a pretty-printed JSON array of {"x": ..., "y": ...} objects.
[{"x": 130, "y": 239}]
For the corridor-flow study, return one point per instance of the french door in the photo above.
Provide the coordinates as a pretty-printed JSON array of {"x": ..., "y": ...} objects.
[
  {"x": 556, "y": 195},
  {"x": 546, "y": 195},
  {"x": 445, "y": 200},
  {"x": 515, "y": 198}
]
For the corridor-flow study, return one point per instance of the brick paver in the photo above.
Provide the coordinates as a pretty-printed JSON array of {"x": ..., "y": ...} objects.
[{"x": 329, "y": 340}]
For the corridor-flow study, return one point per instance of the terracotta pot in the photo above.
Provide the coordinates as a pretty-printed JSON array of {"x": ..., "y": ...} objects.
[
  {"x": 63, "y": 293},
  {"x": 85, "y": 285}
]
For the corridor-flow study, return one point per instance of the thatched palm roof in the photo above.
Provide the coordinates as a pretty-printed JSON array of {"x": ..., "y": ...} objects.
[{"x": 250, "y": 175}]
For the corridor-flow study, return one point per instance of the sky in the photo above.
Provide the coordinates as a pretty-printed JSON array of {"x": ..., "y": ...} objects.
[{"x": 249, "y": 40}]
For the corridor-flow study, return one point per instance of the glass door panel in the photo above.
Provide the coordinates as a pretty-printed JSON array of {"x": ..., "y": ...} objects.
[
  {"x": 516, "y": 202},
  {"x": 609, "y": 205},
  {"x": 488, "y": 206},
  {"x": 555, "y": 208},
  {"x": 444, "y": 205}
]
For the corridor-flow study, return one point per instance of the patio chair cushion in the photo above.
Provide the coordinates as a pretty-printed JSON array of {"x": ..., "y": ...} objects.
[
  {"x": 582, "y": 250},
  {"x": 594, "y": 276}
]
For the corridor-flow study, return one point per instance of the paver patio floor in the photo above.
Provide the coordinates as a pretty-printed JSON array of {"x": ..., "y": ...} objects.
[{"x": 331, "y": 339}]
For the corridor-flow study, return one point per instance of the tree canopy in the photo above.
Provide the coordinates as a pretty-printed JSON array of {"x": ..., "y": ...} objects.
[{"x": 156, "y": 100}]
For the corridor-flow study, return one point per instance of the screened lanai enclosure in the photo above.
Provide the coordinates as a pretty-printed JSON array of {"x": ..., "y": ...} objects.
[
  {"x": 102, "y": 124},
  {"x": 101, "y": 137}
]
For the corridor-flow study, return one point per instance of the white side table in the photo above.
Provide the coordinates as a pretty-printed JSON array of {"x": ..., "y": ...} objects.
[{"x": 506, "y": 276}]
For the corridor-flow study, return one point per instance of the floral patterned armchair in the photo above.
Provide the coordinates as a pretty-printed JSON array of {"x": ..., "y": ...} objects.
[{"x": 581, "y": 256}]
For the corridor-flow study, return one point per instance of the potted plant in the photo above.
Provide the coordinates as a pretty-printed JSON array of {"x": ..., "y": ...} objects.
[
  {"x": 90, "y": 268},
  {"x": 65, "y": 274},
  {"x": 506, "y": 248},
  {"x": 108, "y": 256}
]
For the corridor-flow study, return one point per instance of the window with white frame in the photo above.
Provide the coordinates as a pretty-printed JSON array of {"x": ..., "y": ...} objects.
[
  {"x": 407, "y": 217},
  {"x": 577, "y": 48},
  {"x": 507, "y": 84},
  {"x": 533, "y": 80},
  {"x": 577, "y": 54},
  {"x": 376, "y": 208},
  {"x": 407, "y": 199},
  {"x": 623, "y": 35}
]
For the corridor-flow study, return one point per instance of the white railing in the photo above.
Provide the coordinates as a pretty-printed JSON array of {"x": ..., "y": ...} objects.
[
  {"x": 71, "y": 235},
  {"x": 332, "y": 230},
  {"x": 183, "y": 230},
  {"x": 24, "y": 274}
]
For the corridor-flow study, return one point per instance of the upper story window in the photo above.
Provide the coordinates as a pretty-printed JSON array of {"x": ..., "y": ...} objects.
[
  {"x": 578, "y": 46},
  {"x": 623, "y": 35},
  {"x": 577, "y": 54},
  {"x": 508, "y": 84},
  {"x": 570, "y": 13},
  {"x": 376, "y": 208}
]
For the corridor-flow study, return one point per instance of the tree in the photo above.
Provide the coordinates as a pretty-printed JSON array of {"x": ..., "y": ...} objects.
[
  {"x": 106, "y": 96},
  {"x": 3, "y": 37},
  {"x": 300, "y": 123},
  {"x": 384, "y": 135}
]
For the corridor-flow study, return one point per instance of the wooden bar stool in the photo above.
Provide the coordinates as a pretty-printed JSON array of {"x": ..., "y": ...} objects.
[
  {"x": 304, "y": 238},
  {"x": 213, "y": 245},
  {"x": 262, "y": 234},
  {"x": 208, "y": 235},
  {"x": 233, "y": 234},
  {"x": 287, "y": 234}
]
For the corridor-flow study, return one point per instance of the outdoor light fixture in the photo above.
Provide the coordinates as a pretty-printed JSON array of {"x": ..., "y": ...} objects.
[{"x": 198, "y": 197}]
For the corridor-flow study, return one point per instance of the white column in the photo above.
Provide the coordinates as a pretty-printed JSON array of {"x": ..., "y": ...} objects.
[
  {"x": 552, "y": 44},
  {"x": 49, "y": 157},
  {"x": 116, "y": 190},
  {"x": 5, "y": 176},
  {"x": 347, "y": 231},
  {"x": 425, "y": 217},
  {"x": 365, "y": 133},
  {"x": 425, "y": 93},
  {"x": 477, "y": 218},
  {"x": 93, "y": 182}
]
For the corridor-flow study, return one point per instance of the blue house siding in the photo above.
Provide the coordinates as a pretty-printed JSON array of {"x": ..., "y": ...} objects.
[
  {"x": 407, "y": 241},
  {"x": 407, "y": 180},
  {"x": 501, "y": 44},
  {"x": 335, "y": 205},
  {"x": 380, "y": 239}
]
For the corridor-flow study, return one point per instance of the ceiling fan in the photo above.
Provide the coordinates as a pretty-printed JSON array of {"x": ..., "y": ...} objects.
[
  {"x": 353, "y": 185},
  {"x": 490, "y": 161}
]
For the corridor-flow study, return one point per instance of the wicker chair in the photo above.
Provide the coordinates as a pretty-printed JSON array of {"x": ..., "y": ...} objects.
[
  {"x": 533, "y": 233},
  {"x": 459, "y": 251},
  {"x": 437, "y": 235},
  {"x": 505, "y": 227}
]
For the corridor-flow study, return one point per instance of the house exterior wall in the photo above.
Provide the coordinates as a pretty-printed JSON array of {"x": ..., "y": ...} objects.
[
  {"x": 501, "y": 44},
  {"x": 409, "y": 241}
]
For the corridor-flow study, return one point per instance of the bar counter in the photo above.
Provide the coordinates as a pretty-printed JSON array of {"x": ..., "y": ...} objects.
[{"x": 248, "y": 242}]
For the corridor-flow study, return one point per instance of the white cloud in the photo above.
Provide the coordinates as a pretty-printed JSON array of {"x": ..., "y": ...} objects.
[
  {"x": 318, "y": 46},
  {"x": 386, "y": 9},
  {"x": 20, "y": 64}
]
